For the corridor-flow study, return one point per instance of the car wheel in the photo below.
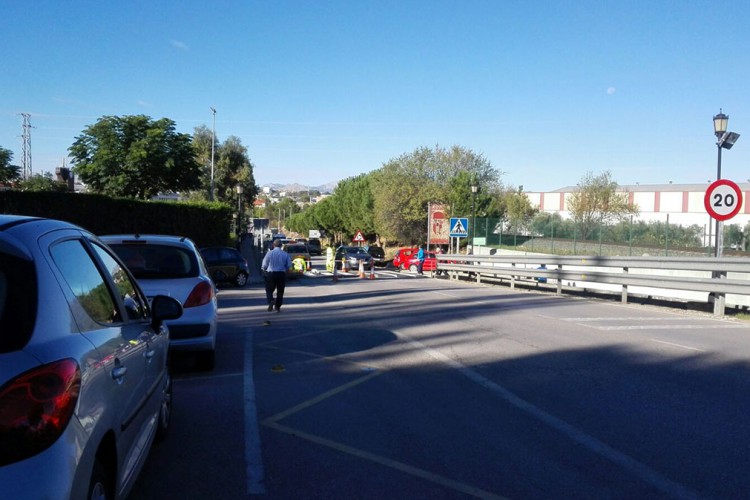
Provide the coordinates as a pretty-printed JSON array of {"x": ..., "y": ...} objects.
[
  {"x": 165, "y": 411},
  {"x": 413, "y": 268},
  {"x": 240, "y": 279},
  {"x": 99, "y": 485},
  {"x": 205, "y": 360}
]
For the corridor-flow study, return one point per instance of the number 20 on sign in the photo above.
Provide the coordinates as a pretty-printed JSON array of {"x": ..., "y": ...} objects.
[{"x": 723, "y": 199}]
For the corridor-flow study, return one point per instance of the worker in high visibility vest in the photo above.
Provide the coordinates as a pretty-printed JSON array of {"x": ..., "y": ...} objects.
[{"x": 299, "y": 265}]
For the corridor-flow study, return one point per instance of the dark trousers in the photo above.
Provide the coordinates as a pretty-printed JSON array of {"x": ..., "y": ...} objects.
[{"x": 275, "y": 281}]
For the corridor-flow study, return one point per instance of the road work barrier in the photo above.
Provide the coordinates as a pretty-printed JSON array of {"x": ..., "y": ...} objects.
[{"x": 707, "y": 279}]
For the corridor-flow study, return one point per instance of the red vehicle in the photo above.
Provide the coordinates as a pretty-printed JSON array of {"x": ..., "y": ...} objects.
[
  {"x": 430, "y": 262},
  {"x": 401, "y": 259}
]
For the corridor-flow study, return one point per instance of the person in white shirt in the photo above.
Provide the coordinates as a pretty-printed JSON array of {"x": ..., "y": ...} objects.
[{"x": 275, "y": 265}]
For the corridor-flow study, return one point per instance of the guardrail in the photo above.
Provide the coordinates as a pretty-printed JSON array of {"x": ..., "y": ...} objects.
[{"x": 691, "y": 274}]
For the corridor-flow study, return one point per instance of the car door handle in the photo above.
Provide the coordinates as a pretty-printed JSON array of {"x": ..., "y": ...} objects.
[
  {"x": 118, "y": 373},
  {"x": 149, "y": 354}
]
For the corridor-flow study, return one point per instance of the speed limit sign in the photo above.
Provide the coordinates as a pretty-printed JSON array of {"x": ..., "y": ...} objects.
[{"x": 723, "y": 199}]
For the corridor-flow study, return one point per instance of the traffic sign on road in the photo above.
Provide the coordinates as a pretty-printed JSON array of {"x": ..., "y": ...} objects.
[
  {"x": 723, "y": 199},
  {"x": 359, "y": 237},
  {"x": 459, "y": 227}
]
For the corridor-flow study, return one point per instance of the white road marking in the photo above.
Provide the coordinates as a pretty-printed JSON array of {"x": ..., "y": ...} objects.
[
  {"x": 253, "y": 457},
  {"x": 635, "y": 467},
  {"x": 678, "y": 345}
]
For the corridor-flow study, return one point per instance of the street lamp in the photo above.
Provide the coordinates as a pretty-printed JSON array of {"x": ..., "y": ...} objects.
[
  {"x": 724, "y": 140},
  {"x": 239, "y": 198},
  {"x": 239, "y": 208},
  {"x": 213, "y": 140},
  {"x": 474, "y": 189}
]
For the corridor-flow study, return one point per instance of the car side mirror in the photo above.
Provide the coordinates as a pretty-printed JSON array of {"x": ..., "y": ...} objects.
[{"x": 164, "y": 308}]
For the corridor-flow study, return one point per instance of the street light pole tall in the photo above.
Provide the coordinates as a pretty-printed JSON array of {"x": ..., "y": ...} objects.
[
  {"x": 474, "y": 189},
  {"x": 724, "y": 140},
  {"x": 239, "y": 208},
  {"x": 213, "y": 140},
  {"x": 720, "y": 128}
]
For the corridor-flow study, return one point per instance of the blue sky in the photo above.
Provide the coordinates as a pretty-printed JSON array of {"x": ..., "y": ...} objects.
[{"x": 323, "y": 90}]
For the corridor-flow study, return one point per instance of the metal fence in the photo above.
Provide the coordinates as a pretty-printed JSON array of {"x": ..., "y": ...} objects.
[{"x": 549, "y": 233}]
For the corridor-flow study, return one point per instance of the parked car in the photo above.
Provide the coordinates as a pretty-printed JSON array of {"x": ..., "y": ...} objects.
[
  {"x": 353, "y": 256},
  {"x": 300, "y": 256},
  {"x": 85, "y": 387},
  {"x": 172, "y": 265},
  {"x": 378, "y": 255},
  {"x": 226, "y": 265},
  {"x": 402, "y": 257},
  {"x": 313, "y": 245},
  {"x": 430, "y": 262}
]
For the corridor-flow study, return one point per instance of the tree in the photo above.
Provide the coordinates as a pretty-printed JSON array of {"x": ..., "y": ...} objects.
[
  {"x": 135, "y": 157},
  {"x": 202, "y": 137},
  {"x": 596, "y": 201},
  {"x": 42, "y": 182},
  {"x": 8, "y": 173},
  {"x": 518, "y": 211},
  {"x": 232, "y": 166},
  {"x": 404, "y": 186}
]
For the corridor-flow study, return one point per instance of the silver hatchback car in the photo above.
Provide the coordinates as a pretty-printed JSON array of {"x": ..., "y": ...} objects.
[
  {"x": 84, "y": 379},
  {"x": 173, "y": 266}
]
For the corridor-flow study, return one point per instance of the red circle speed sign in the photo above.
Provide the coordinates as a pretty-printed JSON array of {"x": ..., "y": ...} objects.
[{"x": 723, "y": 199}]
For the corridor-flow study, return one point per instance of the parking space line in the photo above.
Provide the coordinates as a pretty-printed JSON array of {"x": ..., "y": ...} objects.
[
  {"x": 254, "y": 473},
  {"x": 321, "y": 397},
  {"x": 638, "y": 469},
  {"x": 387, "y": 462},
  {"x": 678, "y": 345}
]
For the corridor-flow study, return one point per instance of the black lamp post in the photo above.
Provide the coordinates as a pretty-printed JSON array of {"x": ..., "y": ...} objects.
[
  {"x": 724, "y": 140},
  {"x": 239, "y": 208},
  {"x": 474, "y": 189}
]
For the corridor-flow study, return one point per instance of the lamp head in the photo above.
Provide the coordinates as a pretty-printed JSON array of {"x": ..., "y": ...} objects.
[{"x": 720, "y": 124}]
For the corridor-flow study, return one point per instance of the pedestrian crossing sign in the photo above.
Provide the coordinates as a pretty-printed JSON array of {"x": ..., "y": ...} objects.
[{"x": 459, "y": 227}]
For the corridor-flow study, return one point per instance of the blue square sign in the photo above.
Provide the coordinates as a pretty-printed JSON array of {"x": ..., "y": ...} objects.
[{"x": 459, "y": 227}]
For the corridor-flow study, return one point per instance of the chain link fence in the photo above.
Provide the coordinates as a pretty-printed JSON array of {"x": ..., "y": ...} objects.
[{"x": 549, "y": 233}]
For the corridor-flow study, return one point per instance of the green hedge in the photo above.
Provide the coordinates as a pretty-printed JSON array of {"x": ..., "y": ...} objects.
[{"x": 203, "y": 222}]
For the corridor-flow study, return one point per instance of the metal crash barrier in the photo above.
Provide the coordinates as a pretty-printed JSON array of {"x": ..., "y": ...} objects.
[{"x": 715, "y": 277}]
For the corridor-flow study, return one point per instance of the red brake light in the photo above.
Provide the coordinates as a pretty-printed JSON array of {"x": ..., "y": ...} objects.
[
  {"x": 35, "y": 409},
  {"x": 201, "y": 294}
]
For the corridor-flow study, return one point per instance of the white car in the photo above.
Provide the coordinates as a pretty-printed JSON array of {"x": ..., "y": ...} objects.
[
  {"x": 85, "y": 387},
  {"x": 173, "y": 266}
]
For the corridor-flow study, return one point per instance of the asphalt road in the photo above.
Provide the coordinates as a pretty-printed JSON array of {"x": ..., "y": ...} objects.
[{"x": 405, "y": 387}]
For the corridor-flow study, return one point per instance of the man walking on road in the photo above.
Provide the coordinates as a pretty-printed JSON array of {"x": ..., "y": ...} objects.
[{"x": 275, "y": 265}]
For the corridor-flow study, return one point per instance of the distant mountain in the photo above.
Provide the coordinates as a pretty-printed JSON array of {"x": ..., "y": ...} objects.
[{"x": 297, "y": 188}]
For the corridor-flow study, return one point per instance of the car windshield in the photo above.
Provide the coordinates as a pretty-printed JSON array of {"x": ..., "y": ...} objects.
[
  {"x": 356, "y": 251},
  {"x": 296, "y": 249},
  {"x": 158, "y": 261}
]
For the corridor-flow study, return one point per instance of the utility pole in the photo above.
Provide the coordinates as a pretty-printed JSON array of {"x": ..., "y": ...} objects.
[
  {"x": 213, "y": 140},
  {"x": 26, "y": 136}
]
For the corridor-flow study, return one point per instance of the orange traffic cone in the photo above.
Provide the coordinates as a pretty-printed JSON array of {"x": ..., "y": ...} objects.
[
  {"x": 372, "y": 270},
  {"x": 361, "y": 269}
]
